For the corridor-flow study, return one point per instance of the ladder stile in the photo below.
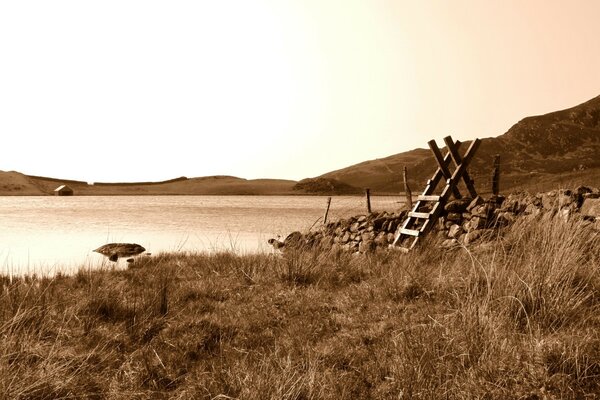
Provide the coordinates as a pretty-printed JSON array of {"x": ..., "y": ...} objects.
[{"x": 422, "y": 218}]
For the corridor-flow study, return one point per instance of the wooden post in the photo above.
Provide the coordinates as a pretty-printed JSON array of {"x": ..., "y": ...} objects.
[
  {"x": 407, "y": 192},
  {"x": 327, "y": 210},
  {"x": 368, "y": 196},
  {"x": 496, "y": 176}
]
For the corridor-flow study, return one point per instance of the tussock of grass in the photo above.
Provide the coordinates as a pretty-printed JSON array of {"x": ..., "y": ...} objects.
[{"x": 517, "y": 318}]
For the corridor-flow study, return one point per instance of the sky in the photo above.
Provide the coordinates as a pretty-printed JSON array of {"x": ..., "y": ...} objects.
[{"x": 127, "y": 90}]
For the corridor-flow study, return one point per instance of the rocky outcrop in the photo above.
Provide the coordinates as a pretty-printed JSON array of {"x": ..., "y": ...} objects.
[
  {"x": 325, "y": 186},
  {"x": 464, "y": 222}
]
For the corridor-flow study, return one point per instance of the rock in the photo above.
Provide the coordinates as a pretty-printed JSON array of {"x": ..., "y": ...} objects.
[
  {"x": 346, "y": 238},
  {"x": 477, "y": 223},
  {"x": 591, "y": 196},
  {"x": 532, "y": 209},
  {"x": 277, "y": 244},
  {"x": 566, "y": 198},
  {"x": 378, "y": 223},
  {"x": 581, "y": 190},
  {"x": 294, "y": 239},
  {"x": 448, "y": 224},
  {"x": 514, "y": 205},
  {"x": 391, "y": 237},
  {"x": 505, "y": 218},
  {"x": 475, "y": 202},
  {"x": 366, "y": 246},
  {"x": 481, "y": 234},
  {"x": 393, "y": 225},
  {"x": 465, "y": 225},
  {"x": 550, "y": 200},
  {"x": 114, "y": 251},
  {"x": 354, "y": 227},
  {"x": 454, "y": 216},
  {"x": 381, "y": 239},
  {"x": 361, "y": 219},
  {"x": 591, "y": 207},
  {"x": 472, "y": 236},
  {"x": 564, "y": 214},
  {"x": 458, "y": 205},
  {"x": 448, "y": 243},
  {"x": 368, "y": 236},
  {"x": 482, "y": 210},
  {"x": 467, "y": 215},
  {"x": 455, "y": 231}
]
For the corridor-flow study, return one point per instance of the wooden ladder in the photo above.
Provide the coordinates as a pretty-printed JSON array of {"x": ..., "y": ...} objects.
[{"x": 428, "y": 207}]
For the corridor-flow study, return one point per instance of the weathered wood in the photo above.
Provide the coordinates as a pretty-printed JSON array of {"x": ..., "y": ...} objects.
[
  {"x": 419, "y": 223},
  {"x": 438, "y": 175},
  {"x": 430, "y": 197},
  {"x": 453, "y": 150},
  {"x": 496, "y": 176},
  {"x": 462, "y": 167},
  {"x": 407, "y": 192},
  {"x": 422, "y": 215},
  {"x": 368, "y": 198},
  {"x": 327, "y": 210},
  {"x": 442, "y": 165},
  {"x": 410, "y": 232}
]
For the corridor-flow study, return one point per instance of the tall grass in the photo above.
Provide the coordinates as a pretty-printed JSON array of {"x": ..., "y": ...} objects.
[{"x": 517, "y": 318}]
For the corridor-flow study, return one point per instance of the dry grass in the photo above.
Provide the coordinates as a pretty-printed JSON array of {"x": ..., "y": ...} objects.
[{"x": 516, "y": 319}]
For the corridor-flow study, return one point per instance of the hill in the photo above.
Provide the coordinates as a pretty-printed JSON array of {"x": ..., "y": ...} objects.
[
  {"x": 561, "y": 147},
  {"x": 15, "y": 183}
]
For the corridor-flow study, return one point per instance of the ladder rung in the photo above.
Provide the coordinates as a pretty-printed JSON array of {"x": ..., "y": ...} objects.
[
  {"x": 399, "y": 248},
  {"x": 410, "y": 232},
  {"x": 422, "y": 215},
  {"x": 428, "y": 198}
]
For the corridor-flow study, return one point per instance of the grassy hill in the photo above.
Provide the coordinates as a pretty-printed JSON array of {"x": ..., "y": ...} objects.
[
  {"x": 550, "y": 148},
  {"x": 15, "y": 183}
]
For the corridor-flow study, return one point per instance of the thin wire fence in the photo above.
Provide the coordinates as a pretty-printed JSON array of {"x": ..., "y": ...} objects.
[{"x": 346, "y": 206}]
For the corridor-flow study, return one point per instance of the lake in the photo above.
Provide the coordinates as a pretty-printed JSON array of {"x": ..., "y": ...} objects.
[{"x": 45, "y": 234}]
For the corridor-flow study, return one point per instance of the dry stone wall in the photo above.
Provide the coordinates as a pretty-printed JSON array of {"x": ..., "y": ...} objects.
[{"x": 463, "y": 222}]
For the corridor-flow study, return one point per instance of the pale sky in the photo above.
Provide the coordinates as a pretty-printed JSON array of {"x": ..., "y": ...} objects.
[{"x": 123, "y": 90}]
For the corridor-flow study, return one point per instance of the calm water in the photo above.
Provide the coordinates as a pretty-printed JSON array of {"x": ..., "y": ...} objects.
[{"x": 46, "y": 234}]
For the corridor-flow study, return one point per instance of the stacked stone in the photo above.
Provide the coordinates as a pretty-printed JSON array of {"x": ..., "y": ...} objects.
[
  {"x": 463, "y": 222},
  {"x": 467, "y": 220},
  {"x": 361, "y": 233}
]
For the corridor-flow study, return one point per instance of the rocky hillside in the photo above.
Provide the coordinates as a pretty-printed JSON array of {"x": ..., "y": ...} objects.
[
  {"x": 540, "y": 148},
  {"x": 325, "y": 186}
]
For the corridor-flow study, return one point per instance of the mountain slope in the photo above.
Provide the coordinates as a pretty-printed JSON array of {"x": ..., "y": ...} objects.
[{"x": 551, "y": 144}]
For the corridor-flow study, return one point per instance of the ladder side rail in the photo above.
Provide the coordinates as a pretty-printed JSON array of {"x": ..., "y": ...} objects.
[
  {"x": 443, "y": 166},
  {"x": 458, "y": 173},
  {"x": 458, "y": 160},
  {"x": 438, "y": 174}
]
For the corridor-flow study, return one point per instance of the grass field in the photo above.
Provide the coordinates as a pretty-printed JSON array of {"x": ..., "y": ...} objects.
[{"x": 518, "y": 318}]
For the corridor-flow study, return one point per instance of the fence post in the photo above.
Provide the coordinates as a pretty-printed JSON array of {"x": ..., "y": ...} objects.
[
  {"x": 368, "y": 196},
  {"x": 407, "y": 192},
  {"x": 327, "y": 210},
  {"x": 496, "y": 176}
]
